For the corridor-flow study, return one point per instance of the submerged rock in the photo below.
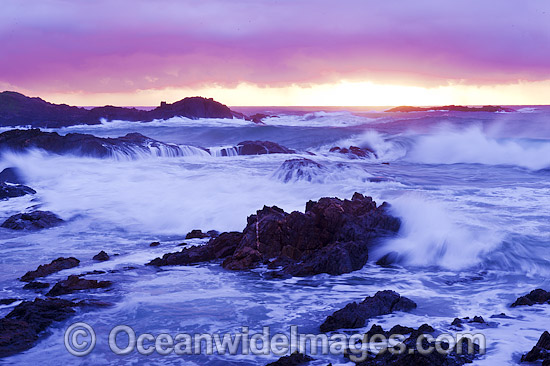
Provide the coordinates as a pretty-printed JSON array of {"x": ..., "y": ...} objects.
[
  {"x": 262, "y": 147},
  {"x": 541, "y": 351},
  {"x": 35, "y": 285},
  {"x": 34, "y": 220},
  {"x": 354, "y": 151},
  {"x": 8, "y": 190},
  {"x": 20, "y": 329},
  {"x": 56, "y": 265},
  {"x": 538, "y": 296},
  {"x": 332, "y": 236},
  {"x": 294, "y": 170},
  {"x": 294, "y": 359},
  {"x": 355, "y": 315},
  {"x": 74, "y": 283}
]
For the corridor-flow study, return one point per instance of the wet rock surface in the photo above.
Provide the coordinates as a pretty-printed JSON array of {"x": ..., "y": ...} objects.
[
  {"x": 262, "y": 147},
  {"x": 56, "y": 265},
  {"x": 9, "y": 190},
  {"x": 35, "y": 220},
  {"x": 294, "y": 359},
  {"x": 35, "y": 285},
  {"x": 101, "y": 257},
  {"x": 299, "y": 170},
  {"x": 196, "y": 234},
  {"x": 538, "y": 296},
  {"x": 74, "y": 283},
  {"x": 355, "y": 315},
  {"x": 541, "y": 351},
  {"x": 355, "y": 151}
]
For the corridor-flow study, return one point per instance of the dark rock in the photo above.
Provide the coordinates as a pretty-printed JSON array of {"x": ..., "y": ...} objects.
[
  {"x": 541, "y": 351},
  {"x": 8, "y": 190},
  {"x": 399, "y": 329},
  {"x": 20, "y": 329},
  {"x": 355, "y": 151},
  {"x": 17, "y": 110},
  {"x": 538, "y": 296},
  {"x": 388, "y": 259},
  {"x": 258, "y": 117},
  {"x": 294, "y": 359},
  {"x": 453, "y": 108},
  {"x": 82, "y": 144},
  {"x": 47, "y": 269},
  {"x": 7, "y": 301},
  {"x": 35, "y": 220},
  {"x": 262, "y": 147},
  {"x": 154, "y": 244},
  {"x": 213, "y": 233},
  {"x": 501, "y": 316},
  {"x": 74, "y": 283},
  {"x": 299, "y": 170},
  {"x": 35, "y": 285},
  {"x": 220, "y": 247},
  {"x": 355, "y": 315},
  {"x": 101, "y": 256},
  {"x": 332, "y": 236},
  {"x": 11, "y": 175},
  {"x": 94, "y": 272},
  {"x": 196, "y": 234}
]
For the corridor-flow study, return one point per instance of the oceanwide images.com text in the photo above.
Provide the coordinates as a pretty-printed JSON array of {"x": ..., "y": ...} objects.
[{"x": 81, "y": 339}]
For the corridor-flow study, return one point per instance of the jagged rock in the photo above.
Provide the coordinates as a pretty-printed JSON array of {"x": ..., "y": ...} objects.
[
  {"x": 220, "y": 247},
  {"x": 360, "y": 152},
  {"x": 453, "y": 108},
  {"x": 299, "y": 170},
  {"x": 538, "y": 296},
  {"x": 20, "y": 329},
  {"x": 259, "y": 117},
  {"x": 56, "y": 265},
  {"x": 35, "y": 220},
  {"x": 35, "y": 285},
  {"x": 294, "y": 359},
  {"x": 332, "y": 236},
  {"x": 74, "y": 283},
  {"x": 17, "y": 109},
  {"x": 541, "y": 351},
  {"x": 354, "y": 315},
  {"x": 8, "y": 190},
  {"x": 262, "y": 147},
  {"x": 196, "y": 234},
  {"x": 101, "y": 256}
]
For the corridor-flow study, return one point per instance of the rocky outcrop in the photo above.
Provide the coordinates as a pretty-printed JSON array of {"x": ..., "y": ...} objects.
[
  {"x": 20, "y": 329},
  {"x": 74, "y": 283},
  {"x": 355, "y": 315},
  {"x": 196, "y": 234},
  {"x": 35, "y": 220},
  {"x": 101, "y": 256},
  {"x": 8, "y": 190},
  {"x": 355, "y": 151},
  {"x": 56, "y": 265},
  {"x": 262, "y": 147},
  {"x": 294, "y": 170},
  {"x": 453, "y": 108},
  {"x": 294, "y": 359},
  {"x": 19, "y": 110},
  {"x": 11, "y": 175},
  {"x": 538, "y": 296},
  {"x": 35, "y": 285},
  {"x": 541, "y": 351},
  {"x": 332, "y": 236}
]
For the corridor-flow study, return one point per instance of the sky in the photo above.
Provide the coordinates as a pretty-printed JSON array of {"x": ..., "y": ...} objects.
[{"x": 285, "y": 52}]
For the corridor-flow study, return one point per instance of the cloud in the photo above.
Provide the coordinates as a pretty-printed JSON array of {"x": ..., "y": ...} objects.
[{"x": 121, "y": 46}]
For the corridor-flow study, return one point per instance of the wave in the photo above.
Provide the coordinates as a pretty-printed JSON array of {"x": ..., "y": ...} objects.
[
  {"x": 319, "y": 119},
  {"x": 473, "y": 146}
]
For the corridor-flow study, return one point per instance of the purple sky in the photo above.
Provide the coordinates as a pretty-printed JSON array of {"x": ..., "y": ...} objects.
[{"x": 80, "y": 46}]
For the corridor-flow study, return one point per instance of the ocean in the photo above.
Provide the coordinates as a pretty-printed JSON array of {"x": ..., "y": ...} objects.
[{"x": 472, "y": 190}]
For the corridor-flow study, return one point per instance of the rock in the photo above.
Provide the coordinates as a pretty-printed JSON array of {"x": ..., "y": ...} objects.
[
  {"x": 294, "y": 170},
  {"x": 213, "y": 233},
  {"x": 7, "y": 301},
  {"x": 220, "y": 247},
  {"x": 35, "y": 285},
  {"x": 196, "y": 234},
  {"x": 354, "y": 151},
  {"x": 8, "y": 190},
  {"x": 453, "y": 108},
  {"x": 332, "y": 236},
  {"x": 74, "y": 283},
  {"x": 35, "y": 220},
  {"x": 11, "y": 175},
  {"x": 541, "y": 351},
  {"x": 388, "y": 259},
  {"x": 17, "y": 109},
  {"x": 259, "y": 117},
  {"x": 83, "y": 144},
  {"x": 154, "y": 244},
  {"x": 355, "y": 315},
  {"x": 101, "y": 256},
  {"x": 56, "y": 265},
  {"x": 538, "y": 296},
  {"x": 294, "y": 359},
  {"x": 262, "y": 147},
  {"x": 20, "y": 329}
]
